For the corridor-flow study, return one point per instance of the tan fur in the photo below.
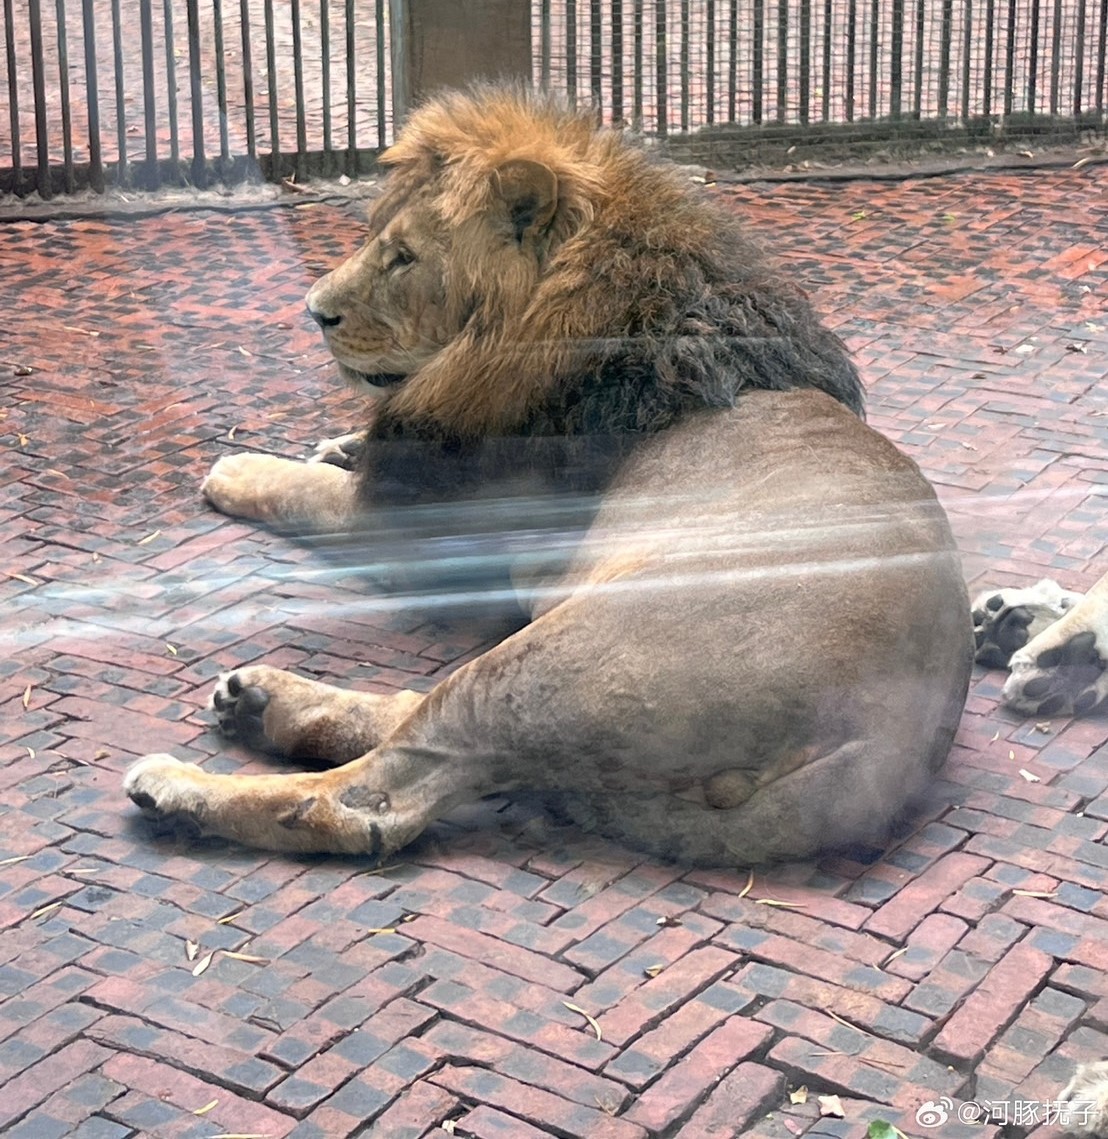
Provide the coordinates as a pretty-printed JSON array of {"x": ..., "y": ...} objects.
[{"x": 761, "y": 646}]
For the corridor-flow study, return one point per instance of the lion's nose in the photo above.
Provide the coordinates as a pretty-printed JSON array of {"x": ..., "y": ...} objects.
[{"x": 322, "y": 319}]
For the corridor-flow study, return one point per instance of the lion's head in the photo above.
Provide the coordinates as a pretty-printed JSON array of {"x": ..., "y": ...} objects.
[{"x": 526, "y": 273}]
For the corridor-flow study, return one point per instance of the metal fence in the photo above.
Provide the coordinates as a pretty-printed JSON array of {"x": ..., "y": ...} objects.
[{"x": 147, "y": 92}]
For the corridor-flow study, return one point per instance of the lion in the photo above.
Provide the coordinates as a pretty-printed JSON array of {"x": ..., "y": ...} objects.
[{"x": 747, "y": 633}]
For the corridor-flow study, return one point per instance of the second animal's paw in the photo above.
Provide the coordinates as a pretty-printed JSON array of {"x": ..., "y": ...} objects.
[{"x": 1005, "y": 620}]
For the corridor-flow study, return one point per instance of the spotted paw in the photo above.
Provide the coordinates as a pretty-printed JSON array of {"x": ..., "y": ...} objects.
[
  {"x": 1066, "y": 676},
  {"x": 162, "y": 788},
  {"x": 344, "y": 451},
  {"x": 1007, "y": 619}
]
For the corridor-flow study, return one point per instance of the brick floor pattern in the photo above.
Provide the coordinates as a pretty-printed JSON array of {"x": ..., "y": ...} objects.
[{"x": 968, "y": 960}]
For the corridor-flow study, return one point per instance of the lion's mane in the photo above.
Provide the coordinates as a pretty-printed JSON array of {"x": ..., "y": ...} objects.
[{"x": 646, "y": 302}]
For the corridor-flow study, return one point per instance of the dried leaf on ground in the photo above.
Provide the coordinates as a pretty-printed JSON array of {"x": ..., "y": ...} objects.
[
  {"x": 588, "y": 1016},
  {"x": 191, "y": 950},
  {"x": 831, "y": 1105},
  {"x": 749, "y": 885},
  {"x": 203, "y": 963},
  {"x": 206, "y": 1108},
  {"x": 799, "y": 1096}
]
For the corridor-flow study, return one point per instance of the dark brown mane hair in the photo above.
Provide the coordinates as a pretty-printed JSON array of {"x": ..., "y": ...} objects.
[{"x": 645, "y": 302}]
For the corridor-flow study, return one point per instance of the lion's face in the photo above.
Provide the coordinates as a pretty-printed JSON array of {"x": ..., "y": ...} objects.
[
  {"x": 427, "y": 269},
  {"x": 384, "y": 311}
]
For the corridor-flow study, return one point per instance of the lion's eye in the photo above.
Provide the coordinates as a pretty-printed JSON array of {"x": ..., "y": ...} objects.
[{"x": 401, "y": 256}]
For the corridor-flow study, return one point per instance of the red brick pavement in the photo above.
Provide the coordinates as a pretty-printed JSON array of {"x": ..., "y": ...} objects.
[{"x": 966, "y": 961}]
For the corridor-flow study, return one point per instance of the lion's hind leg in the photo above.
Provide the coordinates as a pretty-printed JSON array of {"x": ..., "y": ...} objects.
[
  {"x": 1004, "y": 620},
  {"x": 275, "y": 711},
  {"x": 1065, "y": 668},
  {"x": 323, "y": 812}
]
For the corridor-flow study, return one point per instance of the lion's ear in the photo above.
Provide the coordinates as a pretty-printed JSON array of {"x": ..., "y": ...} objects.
[{"x": 529, "y": 192}]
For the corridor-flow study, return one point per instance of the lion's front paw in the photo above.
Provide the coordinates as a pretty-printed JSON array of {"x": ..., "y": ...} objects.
[
  {"x": 1007, "y": 619},
  {"x": 344, "y": 451},
  {"x": 1084, "y": 1101},
  {"x": 162, "y": 788},
  {"x": 248, "y": 485}
]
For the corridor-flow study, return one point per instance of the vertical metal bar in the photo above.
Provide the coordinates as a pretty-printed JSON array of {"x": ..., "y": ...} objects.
[
  {"x": 732, "y": 61},
  {"x": 617, "y": 61},
  {"x": 805, "y": 59},
  {"x": 196, "y": 95},
  {"x": 825, "y": 81},
  {"x": 757, "y": 63},
  {"x": 571, "y": 51},
  {"x": 298, "y": 88},
  {"x": 92, "y": 89},
  {"x": 684, "y": 65},
  {"x": 220, "y": 81},
  {"x": 987, "y": 79},
  {"x": 967, "y": 46},
  {"x": 661, "y": 59},
  {"x": 851, "y": 56},
  {"x": 946, "y": 35},
  {"x": 1010, "y": 59},
  {"x": 1101, "y": 56},
  {"x": 1033, "y": 57},
  {"x": 782, "y": 59},
  {"x": 710, "y": 52},
  {"x": 151, "y": 174},
  {"x": 66, "y": 109},
  {"x": 381, "y": 44},
  {"x": 399, "y": 52},
  {"x": 544, "y": 44},
  {"x": 896, "y": 60},
  {"x": 917, "y": 78},
  {"x": 637, "y": 64},
  {"x": 874, "y": 43},
  {"x": 38, "y": 87},
  {"x": 325, "y": 74},
  {"x": 13, "y": 91},
  {"x": 171, "y": 83},
  {"x": 351, "y": 81},
  {"x": 271, "y": 85},
  {"x": 123, "y": 174},
  {"x": 596, "y": 60},
  {"x": 1079, "y": 61},
  {"x": 247, "y": 79},
  {"x": 1056, "y": 57}
]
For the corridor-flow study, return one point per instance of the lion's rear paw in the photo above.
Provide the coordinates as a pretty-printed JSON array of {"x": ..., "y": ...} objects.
[
  {"x": 1058, "y": 679},
  {"x": 1085, "y": 1101},
  {"x": 160, "y": 787},
  {"x": 1007, "y": 619},
  {"x": 240, "y": 699},
  {"x": 343, "y": 451}
]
